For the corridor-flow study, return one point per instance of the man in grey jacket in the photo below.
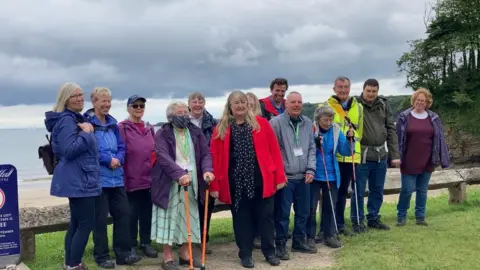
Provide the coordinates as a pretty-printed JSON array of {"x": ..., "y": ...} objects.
[{"x": 295, "y": 136}]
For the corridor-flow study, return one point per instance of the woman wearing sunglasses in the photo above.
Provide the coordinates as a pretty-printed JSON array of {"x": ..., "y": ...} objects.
[{"x": 138, "y": 139}]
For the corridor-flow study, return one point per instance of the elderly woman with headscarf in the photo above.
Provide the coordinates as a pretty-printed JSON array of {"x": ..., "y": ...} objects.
[
  {"x": 422, "y": 147},
  {"x": 183, "y": 159},
  {"x": 249, "y": 168}
]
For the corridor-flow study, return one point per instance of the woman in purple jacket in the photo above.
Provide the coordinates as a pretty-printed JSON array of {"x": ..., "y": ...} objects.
[
  {"x": 422, "y": 148},
  {"x": 183, "y": 159},
  {"x": 138, "y": 139}
]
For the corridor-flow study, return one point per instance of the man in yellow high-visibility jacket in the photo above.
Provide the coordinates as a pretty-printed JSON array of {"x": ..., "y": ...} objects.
[{"x": 348, "y": 111}]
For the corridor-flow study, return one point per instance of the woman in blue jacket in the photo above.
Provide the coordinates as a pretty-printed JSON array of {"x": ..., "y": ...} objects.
[
  {"x": 76, "y": 172},
  {"x": 330, "y": 138}
]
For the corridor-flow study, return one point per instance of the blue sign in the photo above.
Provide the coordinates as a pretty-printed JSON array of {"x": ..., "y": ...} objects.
[{"x": 9, "y": 216}]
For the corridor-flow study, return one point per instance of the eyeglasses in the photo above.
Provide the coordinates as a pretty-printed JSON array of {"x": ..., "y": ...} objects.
[
  {"x": 136, "y": 106},
  {"x": 77, "y": 96}
]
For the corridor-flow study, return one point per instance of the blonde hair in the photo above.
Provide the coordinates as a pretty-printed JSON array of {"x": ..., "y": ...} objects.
[
  {"x": 64, "y": 94},
  {"x": 227, "y": 115},
  {"x": 100, "y": 91},
  {"x": 428, "y": 97},
  {"x": 256, "y": 104}
]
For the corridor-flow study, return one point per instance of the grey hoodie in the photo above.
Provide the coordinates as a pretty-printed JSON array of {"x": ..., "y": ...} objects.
[{"x": 295, "y": 166}]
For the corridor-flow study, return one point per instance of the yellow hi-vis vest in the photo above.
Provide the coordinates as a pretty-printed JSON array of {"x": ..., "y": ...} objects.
[{"x": 355, "y": 114}]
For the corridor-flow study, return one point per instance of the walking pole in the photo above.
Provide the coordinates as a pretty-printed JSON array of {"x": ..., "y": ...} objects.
[
  {"x": 205, "y": 217},
  {"x": 187, "y": 214},
  {"x": 329, "y": 191},
  {"x": 354, "y": 178}
]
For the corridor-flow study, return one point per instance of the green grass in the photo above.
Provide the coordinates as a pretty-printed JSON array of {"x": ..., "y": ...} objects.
[{"x": 451, "y": 241}]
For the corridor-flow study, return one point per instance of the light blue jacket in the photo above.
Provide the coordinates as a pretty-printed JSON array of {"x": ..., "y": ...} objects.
[
  {"x": 110, "y": 145},
  {"x": 333, "y": 142}
]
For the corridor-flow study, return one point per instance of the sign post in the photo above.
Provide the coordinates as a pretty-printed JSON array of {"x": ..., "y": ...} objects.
[{"x": 9, "y": 217}]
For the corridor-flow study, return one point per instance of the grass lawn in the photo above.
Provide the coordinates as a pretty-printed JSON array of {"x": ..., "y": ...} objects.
[{"x": 451, "y": 241}]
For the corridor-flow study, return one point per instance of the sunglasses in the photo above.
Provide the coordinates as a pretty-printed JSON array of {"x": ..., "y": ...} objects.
[{"x": 137, "y": 106}]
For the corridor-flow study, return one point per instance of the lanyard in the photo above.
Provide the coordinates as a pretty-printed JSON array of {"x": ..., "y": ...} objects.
[
  {"x": 296, "y": 133},
  {"x": 184, "y": 144}
]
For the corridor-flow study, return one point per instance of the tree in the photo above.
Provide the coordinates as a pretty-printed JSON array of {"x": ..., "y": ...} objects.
[{"x": 447, "y": 62}]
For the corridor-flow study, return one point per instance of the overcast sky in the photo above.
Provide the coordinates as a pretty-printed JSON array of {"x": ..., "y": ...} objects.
[{"x": 166, "y": 49}]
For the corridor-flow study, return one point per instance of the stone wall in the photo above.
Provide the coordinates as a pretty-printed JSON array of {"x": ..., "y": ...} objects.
[{"x": 464, "y": 148}]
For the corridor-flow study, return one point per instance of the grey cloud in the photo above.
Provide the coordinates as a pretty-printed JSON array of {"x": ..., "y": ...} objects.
[{"x": 158, "y": 48}]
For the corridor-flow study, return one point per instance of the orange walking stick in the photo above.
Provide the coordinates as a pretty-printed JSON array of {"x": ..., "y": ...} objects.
[
  {"x": 205, "y": 217},
  {"x": 187, "y": 213}
]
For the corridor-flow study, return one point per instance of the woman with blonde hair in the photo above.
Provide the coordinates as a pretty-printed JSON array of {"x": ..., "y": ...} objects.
[
  {"x": 75, "y": 150},
  {"x": 249, "y": 169},
  {"x": 254, "y": 103},
  {"x": 422, "y": 147}
]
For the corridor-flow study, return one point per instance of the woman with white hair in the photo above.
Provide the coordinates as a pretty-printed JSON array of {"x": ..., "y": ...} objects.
[
  {"x": 183, "y": 159},
  {"x": 75, "y": 150}
]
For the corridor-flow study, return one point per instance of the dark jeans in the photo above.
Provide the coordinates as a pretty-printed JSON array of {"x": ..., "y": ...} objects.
[
  {"x": 82, "y": 222},
  {"x": 298, "y": 193},
  {"x": 327, "y": 225},
  {"x": 346, "y": 176},
  {"x": 411, "y": 183},
  {"x": 201, "y": 214},
  {"x": 115, "y": 202},
  {"x": 140, "y": 216},
  {"x": 374, "y": 173},
  {"x": 259, "y": 211}
]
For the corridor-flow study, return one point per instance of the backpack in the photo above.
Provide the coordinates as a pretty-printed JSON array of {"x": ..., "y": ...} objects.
[{"x": 45, "y": 152}]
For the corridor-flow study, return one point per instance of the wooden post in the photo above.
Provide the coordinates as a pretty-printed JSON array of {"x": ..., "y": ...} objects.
[
  {"x": 27, "y": 245},
  {"x": 458, "y": 193}
]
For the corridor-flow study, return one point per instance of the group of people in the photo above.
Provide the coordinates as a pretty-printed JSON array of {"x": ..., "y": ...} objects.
[{"x": 260, "y": 157}]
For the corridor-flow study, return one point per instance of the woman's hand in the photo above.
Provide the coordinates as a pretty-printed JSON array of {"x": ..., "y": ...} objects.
[
  {"x": 280, "y": 186},
  {"x": 214, "y": 194},
  {"x": 208, "y": 177},
  {"x": 86, "y": 127},
  {"x": 350, "y": 132},
  {"x": 184, "y": 180}
]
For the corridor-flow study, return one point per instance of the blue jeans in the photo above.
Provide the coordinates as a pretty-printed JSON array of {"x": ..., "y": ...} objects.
[
  {"x": 374, "y": 174},
  {"x": 298, "y": 193},
  {"x": 411, "y": 183},
  {"x": 327, "y": 225}
]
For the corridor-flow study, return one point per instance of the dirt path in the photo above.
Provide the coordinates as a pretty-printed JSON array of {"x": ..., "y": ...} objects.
[{"x": 224, "y": 257}]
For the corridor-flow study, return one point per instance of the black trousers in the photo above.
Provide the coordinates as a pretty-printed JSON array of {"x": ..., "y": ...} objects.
[
  {"x": 201, "y": 214},
  {"x": 346, "y": 176},
  {"x": 82, "y": 221},
  {"x": 115, "y": 202},
  {"x": 327, "y": 223},
  {"x": 140, "y": 216},
  {"x": 252, "y": 214}
]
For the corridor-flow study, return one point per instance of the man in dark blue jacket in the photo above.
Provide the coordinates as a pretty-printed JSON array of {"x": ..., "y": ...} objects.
[{"x": 113, "y": 198}]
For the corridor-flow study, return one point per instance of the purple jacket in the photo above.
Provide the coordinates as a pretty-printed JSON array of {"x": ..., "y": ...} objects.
[
  {"x": 139, "y": 147},
  {"x": 440, "y": 155},
  {"x": 166, "y": 171}
]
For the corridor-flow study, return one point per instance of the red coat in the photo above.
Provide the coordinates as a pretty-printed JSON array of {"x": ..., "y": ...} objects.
[{"x": 268, "y": 155}]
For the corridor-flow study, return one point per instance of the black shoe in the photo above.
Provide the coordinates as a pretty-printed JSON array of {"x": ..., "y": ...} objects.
[
  {"x": 247, "y": 262},
  {"x": 282, "y": 253},
  {"x": 345, "y": 232},
  {"x": 312, "y": 243},
  {"x": 108, "y": 264},
  {"x": 401, "y": 222},
  {"x": 257, "y": 244},
  {"x": 359, "y": 228},
  {"x": 421, "y": 222},
  {"x": 183, "y": 262},
  {"x": 303, "y": 248},
  {"x": 170, "y": 265},
  {"x": 332, "y": 242},
  {"x": 377, "y": 224},
  {"x": 273, "y": 260},
  {"x": 149, "y": 251},
  {"x": 129, "y": 260},
  {"x": 319, "y": 237}
]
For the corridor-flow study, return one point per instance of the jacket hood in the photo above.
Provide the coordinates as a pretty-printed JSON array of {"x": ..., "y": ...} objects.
[
  {"x": 90, "y": 115},
  {"x": 52, "y": 118},
  {"x": 403, "y": 115},
  {"x": 132, "y": 124}
]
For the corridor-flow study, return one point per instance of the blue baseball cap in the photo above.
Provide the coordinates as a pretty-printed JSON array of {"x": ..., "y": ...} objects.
[{"x": 134, "y": 98}]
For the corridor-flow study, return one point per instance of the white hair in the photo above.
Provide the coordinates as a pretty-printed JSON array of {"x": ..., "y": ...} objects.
[
  {"x": 100, "y": 91},
  {"x": 64, "y": 93},
  {"x": 322, "y": 111},
  {"x": 172, "y": 106}
]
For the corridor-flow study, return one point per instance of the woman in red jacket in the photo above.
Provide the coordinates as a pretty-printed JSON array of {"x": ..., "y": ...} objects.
[{"x": 249, "y": 169}]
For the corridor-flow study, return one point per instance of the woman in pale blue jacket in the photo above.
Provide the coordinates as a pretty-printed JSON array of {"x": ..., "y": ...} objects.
[{"x": 329, "y": 137}]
